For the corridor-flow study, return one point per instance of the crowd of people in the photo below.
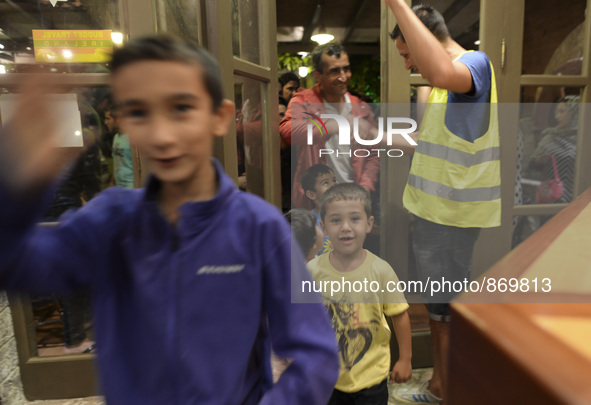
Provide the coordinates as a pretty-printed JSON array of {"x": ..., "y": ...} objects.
[{"x": 205, "y": 278}]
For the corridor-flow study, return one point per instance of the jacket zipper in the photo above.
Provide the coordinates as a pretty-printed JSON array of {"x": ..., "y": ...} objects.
[{"x": 172, "y": 312}]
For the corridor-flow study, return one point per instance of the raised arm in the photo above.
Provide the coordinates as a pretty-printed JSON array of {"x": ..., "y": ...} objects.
[
  {"x": 33, "y": 258},
  {"x": 431, "y": 57}
]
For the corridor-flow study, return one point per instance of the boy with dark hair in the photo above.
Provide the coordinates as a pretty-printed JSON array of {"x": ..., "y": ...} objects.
[
  {"x": 460, "y": 135},
  {"x": 359, "y": 314},
  {"x": 315, "y": 181},
  {"x": 185, "y": 307},
  {"x": 306, "y": 231}
]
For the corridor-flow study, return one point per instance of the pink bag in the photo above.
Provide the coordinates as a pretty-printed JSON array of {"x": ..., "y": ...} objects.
[{"x": 550, "y": 190}]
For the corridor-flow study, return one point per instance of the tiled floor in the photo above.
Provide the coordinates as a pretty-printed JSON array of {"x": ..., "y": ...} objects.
[
  {"x": 418, "y": 377},
  {"x": 77, "y": 401}
]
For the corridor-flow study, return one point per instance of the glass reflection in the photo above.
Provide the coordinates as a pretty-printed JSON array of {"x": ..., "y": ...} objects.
[
  {"x": 245, "y": 30},
  {"x": 547, "y": 147},
  {"x": 247, "y": 96},
  {"x": 18, "y": 19},
  {"x": 525, "y": 225},
  {"x": 62, "y": 324},
  {"x": 180, "y": 17}
]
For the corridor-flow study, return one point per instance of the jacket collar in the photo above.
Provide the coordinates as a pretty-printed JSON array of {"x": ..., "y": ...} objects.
[{"x": 197, "y": 210}]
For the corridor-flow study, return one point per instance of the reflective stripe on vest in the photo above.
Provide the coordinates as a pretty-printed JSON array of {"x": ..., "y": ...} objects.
[
  {"x": 453, "y": 181},
  {"x": 457, "y": 156},
  {"x": 454, "y": 194}
]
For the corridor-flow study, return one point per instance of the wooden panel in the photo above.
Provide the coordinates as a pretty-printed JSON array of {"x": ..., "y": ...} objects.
[
  {"x": 501, "y": 355},
  {"x": 504, "y": 352}
]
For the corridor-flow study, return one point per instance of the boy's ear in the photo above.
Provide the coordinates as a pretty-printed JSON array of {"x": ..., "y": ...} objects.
[
  {"x": 370, "y": 224},
  {"x": 224, "y": 113},
  {"x": 311, "y": 195}
]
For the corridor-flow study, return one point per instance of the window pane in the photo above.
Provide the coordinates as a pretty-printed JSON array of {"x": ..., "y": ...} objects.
[
  {"x": 71, "y": 31},
  {"x": 248, "y": 96},
  {"x": 553, "y": 37},
  {"x": 245, "y": 30},
  {"x": 525, "y": 225},
  {"x": 180, "y": 17},
  {"x": 63, "y": 324},
  {"x": 547, "y": 146}
]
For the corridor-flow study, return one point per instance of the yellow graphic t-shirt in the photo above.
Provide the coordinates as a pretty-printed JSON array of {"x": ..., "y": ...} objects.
[{"x": 359, "y": 318}]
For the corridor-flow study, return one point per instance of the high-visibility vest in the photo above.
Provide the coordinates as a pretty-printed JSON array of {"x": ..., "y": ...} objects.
[{"x": 453, "y": 181}]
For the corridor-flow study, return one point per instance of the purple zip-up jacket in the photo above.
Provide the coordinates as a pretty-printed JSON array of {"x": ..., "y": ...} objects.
[{"x": 183, "y": 315}]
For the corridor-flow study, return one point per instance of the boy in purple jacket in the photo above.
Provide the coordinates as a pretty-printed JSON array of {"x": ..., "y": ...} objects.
[{"x": 190, "y": 277}]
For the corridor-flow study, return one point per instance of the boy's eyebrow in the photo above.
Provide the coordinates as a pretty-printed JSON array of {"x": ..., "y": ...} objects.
[
  {"x": 174, "y": 97},
  {"x": 184, "y": 96}
]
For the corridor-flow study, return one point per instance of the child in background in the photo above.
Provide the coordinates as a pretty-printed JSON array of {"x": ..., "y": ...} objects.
[
  {"x": 309, "y": 238},
  {"x": 359, "y": 318},
  {"x": 316, "y": 179},
  {"x": 121, "y": 150},
  {"x": 306, "y": 231}
]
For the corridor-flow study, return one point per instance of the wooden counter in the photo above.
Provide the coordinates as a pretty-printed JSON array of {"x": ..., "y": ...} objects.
[{"x": 529, "y": 348}]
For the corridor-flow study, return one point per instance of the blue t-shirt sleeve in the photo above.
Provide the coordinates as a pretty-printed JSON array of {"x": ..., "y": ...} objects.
[
  {"x": 479, "y": 66},
  {"x": 467, "y": 114}
]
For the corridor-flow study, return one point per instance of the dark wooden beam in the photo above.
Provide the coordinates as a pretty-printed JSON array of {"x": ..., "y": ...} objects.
[
  {"x": 361, "y": 9},
  {"x": 352, "y": 49},
  {"x": 314, "y": 22},
  {"x": 454, "y": 9},
  {"x": 470, "y": 34}
]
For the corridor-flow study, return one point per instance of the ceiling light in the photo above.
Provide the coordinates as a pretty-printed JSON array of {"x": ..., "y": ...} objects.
[
  {"x": 303, "y": 71},
  {"x": 2, "y": 70},
  {"x": 303, "y": 54},
  {"x": 477, "y": 42},
  {"x": 117, "y": 38},
  {"x": 322, "y": 38}
]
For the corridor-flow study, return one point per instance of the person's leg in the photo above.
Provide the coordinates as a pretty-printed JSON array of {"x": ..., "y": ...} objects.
[
  {"x": 440, "y": 345},
  {"x": 441, "y": 253},
  {"x": 73, "y": 318},
  {"x": 456, "y": 258},
  {"x": 76, "y": 312},
  {"x": 376, "y": 395}
]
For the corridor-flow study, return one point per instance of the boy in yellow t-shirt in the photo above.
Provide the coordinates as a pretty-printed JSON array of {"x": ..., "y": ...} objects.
[{"x": 354, "y": 283}]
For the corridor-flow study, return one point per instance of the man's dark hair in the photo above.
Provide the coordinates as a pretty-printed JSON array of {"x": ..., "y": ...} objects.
[
  {"x": 345, "y": 192},
  {"x": 431, "y": 18},
  {"x": 289, "y": 77},
  {"x": 303, "y": 227},
  {"x": 169, "y": 48},
  {"x": 330, "y": 49},
  {"x": 311, "y": 174}
]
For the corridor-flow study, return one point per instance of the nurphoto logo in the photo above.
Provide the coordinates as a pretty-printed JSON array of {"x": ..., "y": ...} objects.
[{"x": 344, "y": 135}]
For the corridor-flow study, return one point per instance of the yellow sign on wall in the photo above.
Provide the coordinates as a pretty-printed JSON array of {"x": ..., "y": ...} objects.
[{"x": 72, "y": 46}]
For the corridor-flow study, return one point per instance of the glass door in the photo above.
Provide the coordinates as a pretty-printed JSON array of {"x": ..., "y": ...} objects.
[
  {"x": 250, "y": 152},
  {"x": 72, "y": 41},
  {"x": 540, "y": 51},
  {"x": 552, "y": 67}
]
